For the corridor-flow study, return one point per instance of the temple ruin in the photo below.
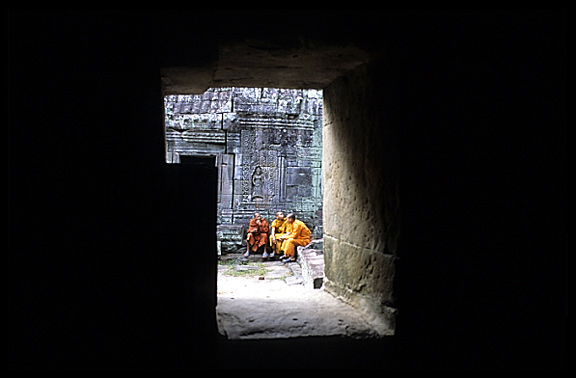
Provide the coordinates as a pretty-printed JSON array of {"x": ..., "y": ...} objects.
[{"x": 266, "y": 144}]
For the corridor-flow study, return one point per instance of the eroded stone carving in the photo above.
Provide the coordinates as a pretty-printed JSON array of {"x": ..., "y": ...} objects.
[
  {"x": 258, "y": 185},
  {"x": 267, "y": 144}
]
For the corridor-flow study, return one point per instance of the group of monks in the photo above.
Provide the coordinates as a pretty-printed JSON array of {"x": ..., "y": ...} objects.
[{"x": 283, "y": 235}]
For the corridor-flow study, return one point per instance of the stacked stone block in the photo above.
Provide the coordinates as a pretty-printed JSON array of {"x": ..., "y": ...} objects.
[{"x": 267, "y": 145}]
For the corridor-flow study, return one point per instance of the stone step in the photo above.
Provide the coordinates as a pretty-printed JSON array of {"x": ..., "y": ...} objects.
[
  {"x": 312, "y": 262},
  {"x": 254, "y": 257}
]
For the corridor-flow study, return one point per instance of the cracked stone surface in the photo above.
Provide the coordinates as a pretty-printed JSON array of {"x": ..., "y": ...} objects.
[{"x": 273, "y": 306}]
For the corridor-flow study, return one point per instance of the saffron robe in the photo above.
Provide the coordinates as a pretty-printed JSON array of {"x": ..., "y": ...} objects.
[
  {"x": 280, "y": 228},
  {"x": 257, "y": 235},
  {"x": 299, "y": 235}
]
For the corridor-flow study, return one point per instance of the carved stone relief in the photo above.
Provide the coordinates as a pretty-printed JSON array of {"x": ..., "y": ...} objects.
[{"x": 268, "y": 147}]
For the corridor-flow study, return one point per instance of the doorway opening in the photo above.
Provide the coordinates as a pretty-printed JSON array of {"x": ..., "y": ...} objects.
[{"x": 267, "y": 146}]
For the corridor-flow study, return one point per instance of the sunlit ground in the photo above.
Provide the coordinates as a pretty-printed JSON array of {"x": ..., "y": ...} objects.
[{"x": 267, "y": 302}]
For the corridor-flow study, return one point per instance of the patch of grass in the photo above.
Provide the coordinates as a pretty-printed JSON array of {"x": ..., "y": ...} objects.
[
  {"x": 229, "y": 262},
  {"x": 244, "y": 270}
]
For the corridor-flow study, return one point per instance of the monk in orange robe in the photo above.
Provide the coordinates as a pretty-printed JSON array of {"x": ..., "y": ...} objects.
[
  {"x": 277, "y": 229},
  {"x": 299, "y": 235},
  {"x": 257, "y": 234}
]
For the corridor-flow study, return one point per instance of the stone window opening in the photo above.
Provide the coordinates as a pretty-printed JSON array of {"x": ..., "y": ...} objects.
[
  {"x": 268, "y": 162},
  {"x": 267, "y": 146}
]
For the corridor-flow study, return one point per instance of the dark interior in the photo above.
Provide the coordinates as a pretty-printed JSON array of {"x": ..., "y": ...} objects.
[{"x": 112, "y": 259}]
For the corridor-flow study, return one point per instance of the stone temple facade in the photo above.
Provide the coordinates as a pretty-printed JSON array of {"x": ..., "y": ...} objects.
[{"x": 267, "y": 146}]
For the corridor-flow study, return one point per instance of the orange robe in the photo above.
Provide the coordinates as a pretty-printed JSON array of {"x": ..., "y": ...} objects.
[
  {"x": 300, "y": 235},
  {"x": 281, "y": 227},
  {"x": 257, "y": 235}
]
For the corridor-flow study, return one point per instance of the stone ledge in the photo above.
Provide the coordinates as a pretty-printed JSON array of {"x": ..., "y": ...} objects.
[{"x": 312, "y": 262}]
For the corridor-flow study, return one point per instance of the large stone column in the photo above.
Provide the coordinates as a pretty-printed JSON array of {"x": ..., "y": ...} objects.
[{"x": 361, "y": 205}]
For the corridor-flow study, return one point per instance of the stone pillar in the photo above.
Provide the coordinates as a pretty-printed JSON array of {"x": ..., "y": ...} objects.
[{"x": 360, "y": 197}]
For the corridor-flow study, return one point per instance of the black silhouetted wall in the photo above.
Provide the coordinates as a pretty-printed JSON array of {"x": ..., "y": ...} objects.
[{"x": 112, "y": 260}]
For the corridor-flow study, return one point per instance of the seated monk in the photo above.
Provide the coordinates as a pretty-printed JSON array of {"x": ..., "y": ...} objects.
[
  {"x": 299, "y": 235},
  {"x": 257, "y": 234},
  {"x": 277, "y": 229}
]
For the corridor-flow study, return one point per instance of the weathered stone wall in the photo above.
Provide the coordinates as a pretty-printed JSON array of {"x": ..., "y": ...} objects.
[
  {"x": 360, "y": 198},
  {"x": 267, "y": 145}
]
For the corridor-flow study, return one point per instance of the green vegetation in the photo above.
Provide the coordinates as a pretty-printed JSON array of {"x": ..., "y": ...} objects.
[{"x": 243, "y": 270}]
